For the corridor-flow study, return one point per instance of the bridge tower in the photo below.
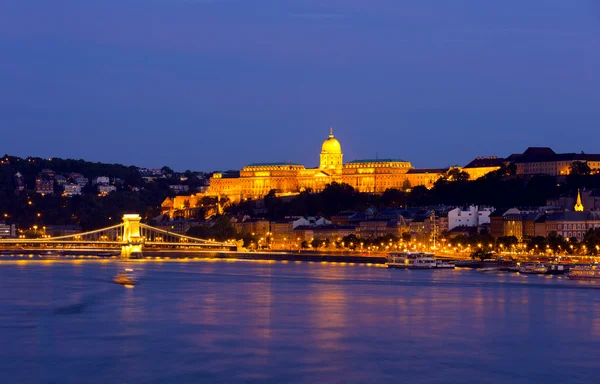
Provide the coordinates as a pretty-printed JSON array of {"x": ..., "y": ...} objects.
[{"x": 131, "y": 235}]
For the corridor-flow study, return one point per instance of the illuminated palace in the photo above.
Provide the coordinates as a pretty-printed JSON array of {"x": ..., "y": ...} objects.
[{"x": 256, "y": 180}]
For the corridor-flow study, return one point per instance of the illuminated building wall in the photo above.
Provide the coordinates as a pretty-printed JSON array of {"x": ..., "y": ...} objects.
[{"x": 257, "y": 180}]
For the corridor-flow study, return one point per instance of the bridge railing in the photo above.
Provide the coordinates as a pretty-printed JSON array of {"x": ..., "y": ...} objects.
[
  {"x": 112, "y": 234},
  {"x": 156, "y": 236},
  {"x": 115, "y": 236}
]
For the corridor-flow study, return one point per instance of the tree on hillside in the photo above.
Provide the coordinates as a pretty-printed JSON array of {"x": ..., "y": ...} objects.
[
  {"x": 406, "y": 185},
  {"x": 167, "y": 171},
  {"x": 393, "y": 198},
  {"x": 580, "y": 168},
  {"x": 337, "y": 197},
  {"x": 505, "y": 170},
  {"x": 456, "y": 174}
]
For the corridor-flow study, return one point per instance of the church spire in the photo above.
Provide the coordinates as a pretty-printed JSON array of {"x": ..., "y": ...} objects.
[{"x": 578, "y": 204}]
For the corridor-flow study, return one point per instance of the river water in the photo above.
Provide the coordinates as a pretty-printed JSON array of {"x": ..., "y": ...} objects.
[{"x": 200, "y": 322}]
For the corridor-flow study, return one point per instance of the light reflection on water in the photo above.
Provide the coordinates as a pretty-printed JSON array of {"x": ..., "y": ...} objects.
[{"x": 292, "y": 322}]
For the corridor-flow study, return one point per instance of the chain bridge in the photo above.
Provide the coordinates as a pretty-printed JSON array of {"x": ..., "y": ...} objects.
[{"x": 130, "y": 236}]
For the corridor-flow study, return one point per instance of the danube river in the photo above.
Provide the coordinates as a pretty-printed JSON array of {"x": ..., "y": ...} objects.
[{"x": 223, "y": 321}]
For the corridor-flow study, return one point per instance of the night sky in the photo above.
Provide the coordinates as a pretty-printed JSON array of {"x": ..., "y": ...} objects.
[{"x": 217, "y": 84}]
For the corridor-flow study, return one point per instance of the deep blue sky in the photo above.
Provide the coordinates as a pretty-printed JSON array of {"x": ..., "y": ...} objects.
[{"x": 216, "y": 84}]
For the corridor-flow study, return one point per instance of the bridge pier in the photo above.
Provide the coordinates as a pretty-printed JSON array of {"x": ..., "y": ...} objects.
[{"x": 131, "y": 235}]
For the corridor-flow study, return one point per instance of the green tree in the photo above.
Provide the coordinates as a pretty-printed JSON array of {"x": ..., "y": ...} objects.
[
  {"x": 167, "y": 171},
  {"x": 556, "y": 242},
  {"x": 591, "y": 240},
  {"x": 456, "y": 174},
  {"x": 507, "y": 242},
  {"x": 199, "y": 231},
  {"x": 337, "y": 197},
  {"x": 223, "y": 229},
  {"x": 393, "y": 198},
  {"x": 406, "y": 185},
  {"x": 580, "y": 168},
  {"x": 537, "y": 243}
]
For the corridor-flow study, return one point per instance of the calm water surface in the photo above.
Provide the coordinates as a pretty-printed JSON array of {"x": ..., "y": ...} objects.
[{"x": 65, "y": 322}]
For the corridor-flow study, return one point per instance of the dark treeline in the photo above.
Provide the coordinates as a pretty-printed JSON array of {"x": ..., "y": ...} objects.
[
  {"x": 31, "y": 167},
  {"x": 494, "y": 190},
  {"x": 89, "y": 210}
]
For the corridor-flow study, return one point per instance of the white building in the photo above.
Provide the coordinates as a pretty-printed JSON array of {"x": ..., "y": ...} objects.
[
  {"x": 60, "y": 180},
  {"x": 472, "y": 217},
  {"x": 149, "y": 179},
  {"x": 104, "y": 190},
  {"x": 81, "y": 181},
  {"x": 179, "y": 188},
  {"x": 101, "y": 180},
  {"x": 72, "y": 190}
]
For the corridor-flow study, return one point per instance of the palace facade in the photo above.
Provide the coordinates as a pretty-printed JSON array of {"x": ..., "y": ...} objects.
[
  {"x": 372, "y": 175},
  {"x": 256, "y": 180}
]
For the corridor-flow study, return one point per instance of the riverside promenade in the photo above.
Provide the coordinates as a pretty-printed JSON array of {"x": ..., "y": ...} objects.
[{"x": 175, "y": 255}]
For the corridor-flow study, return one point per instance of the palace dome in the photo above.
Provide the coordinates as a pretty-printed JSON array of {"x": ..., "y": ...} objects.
[{"x": 331, "y": 145}]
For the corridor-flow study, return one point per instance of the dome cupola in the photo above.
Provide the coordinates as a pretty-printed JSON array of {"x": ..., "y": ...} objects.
[
  {"x": 331, "y": 154},
  {"x": 331, "y": 145}
]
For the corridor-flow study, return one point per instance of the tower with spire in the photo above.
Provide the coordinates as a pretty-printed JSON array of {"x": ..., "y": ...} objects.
[{"x": 578, "y": 204}]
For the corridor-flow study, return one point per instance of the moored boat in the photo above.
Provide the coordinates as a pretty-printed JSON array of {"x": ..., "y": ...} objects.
[
  {"x": 422, "y": 263},
  {"x": 587, "y": 272},
  {"x": 402, "y": 259},
  {"x": 533, "y": 269},
  {"x": 50, "y": 255},
  {"x": 557, "y": 269},
  {"x": 397, "y": 260},
  {"x": 445, "y": 264}
]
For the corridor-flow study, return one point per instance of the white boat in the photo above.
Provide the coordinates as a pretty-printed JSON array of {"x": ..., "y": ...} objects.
[
  {"x": 533, "y": 269},
  {"x": 127, "y": 278},
  {"x": 403, "y": 259},
  {"x": 422, "y": 263},
  {"x": 587, "y": 272},
  {"x": 444, "y": 264},
  {"x": 50, "y": 255}
]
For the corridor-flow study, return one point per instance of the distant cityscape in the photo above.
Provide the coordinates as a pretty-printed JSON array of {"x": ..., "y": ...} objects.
[{"x": 555, "y": 201}]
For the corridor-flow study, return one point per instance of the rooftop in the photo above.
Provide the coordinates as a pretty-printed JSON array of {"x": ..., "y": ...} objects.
[
  {"x": 377, "y": 161},
  {"x": 491, "y": 161},
  {"x": 428, "y": 170},
  {"x": 282, "y": 163},
  {"x": 324, "y": 227},
  {"x": 543, "y": 154}
]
